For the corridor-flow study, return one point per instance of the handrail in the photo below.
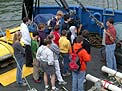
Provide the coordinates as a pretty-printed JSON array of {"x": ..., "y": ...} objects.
[{"x": 112, "y": 14}]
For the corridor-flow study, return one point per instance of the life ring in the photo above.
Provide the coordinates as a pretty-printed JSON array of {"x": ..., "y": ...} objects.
[{"x": 98, "y": 16}]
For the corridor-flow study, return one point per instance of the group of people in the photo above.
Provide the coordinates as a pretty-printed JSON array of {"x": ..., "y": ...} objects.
[{"x": 42, "y": 51}]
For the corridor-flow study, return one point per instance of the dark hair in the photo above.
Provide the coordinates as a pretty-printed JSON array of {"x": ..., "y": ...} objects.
[
  {"x": 35, "y": 34},
  {"x": 64, "y": 32},
  {"x": 110, "y": 20},
  {"x": 25, "y": 19},
  {"x": 41, "y": 25},
  {"x": 50, "y": 36},
  {"x": 79, "y": 39},
  {"x": 47, "y": 41},
  {"x": 66, "y": 17},
  {"x": 85, "y": 33}
]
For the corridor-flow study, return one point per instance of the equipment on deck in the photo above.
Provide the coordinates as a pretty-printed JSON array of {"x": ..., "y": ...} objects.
[
  {"x": 101, "y": 85},
  {"x": 111, "y": 71},
  {"x": 114, "y": 76}
]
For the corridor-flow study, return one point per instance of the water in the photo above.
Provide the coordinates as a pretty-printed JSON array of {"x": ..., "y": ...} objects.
[
  {"x": 11, "y": 10},
  {"x": 10, "y": 13}
]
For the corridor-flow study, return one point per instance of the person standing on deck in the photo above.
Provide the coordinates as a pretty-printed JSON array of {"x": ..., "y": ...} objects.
[
  {"x": 42, "y": 34},
  {"x": 56, "y": 34},
  {"x": 73, "y": 36},
  {"x": 46, "y": 58},
  {"x": 36, "y": 63},
  {"x": 110, "y": 37},
  {"x": 56, "y": 53},
  {"x": 64, "y": 46},
  {"x": 79, "y": 76},
  {"x": 86, "y": 43},
  {"x": 66, "y": 24},
  {"x": 55, "y": 20},
  {"x": 19, "y": 54},
  {"x": 26, "y": 39}
]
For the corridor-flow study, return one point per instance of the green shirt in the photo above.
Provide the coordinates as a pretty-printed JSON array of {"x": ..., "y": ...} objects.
[{"x": 34, "y": 47}]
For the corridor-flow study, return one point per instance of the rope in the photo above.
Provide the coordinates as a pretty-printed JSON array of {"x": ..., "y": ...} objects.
[
  {"x": 92, "y": 16},
  {"x": 26, "y": 13},
  {"x": 58, "y": 3},
  {"x": 64, "y": 5}
]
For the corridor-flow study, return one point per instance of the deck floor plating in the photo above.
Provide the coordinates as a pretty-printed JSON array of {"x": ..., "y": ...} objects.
[{"x": 94, "y": 68}]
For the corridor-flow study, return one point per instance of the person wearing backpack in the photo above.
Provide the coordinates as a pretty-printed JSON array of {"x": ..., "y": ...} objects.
[{"x": 79, "y": 75}]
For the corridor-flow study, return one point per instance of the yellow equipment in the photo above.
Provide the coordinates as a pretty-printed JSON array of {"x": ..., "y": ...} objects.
[{"x": 6, "y": 51}]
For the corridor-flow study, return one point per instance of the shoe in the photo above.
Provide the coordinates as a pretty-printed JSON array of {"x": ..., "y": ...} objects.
[
  {"x": 56, "y": 89},
  {"x": 47, "y": 89},
  {"x": 22, "y": 84},
  {"x": 67, "y": 74},
  {"x": 37, "y": 81},
  {"x": 62, "y": 83}
]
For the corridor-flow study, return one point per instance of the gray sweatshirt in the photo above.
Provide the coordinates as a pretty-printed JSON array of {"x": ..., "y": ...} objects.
[
  {"x": 18, "y": 50},
  {"x": 55, "y": 50}
]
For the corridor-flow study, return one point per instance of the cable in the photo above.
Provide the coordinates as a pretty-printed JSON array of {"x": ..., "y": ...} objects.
[
  {"x": 92, "y": 16},
  {"x": 21, "y": 71},
  {"x": 58, "y": 3}
]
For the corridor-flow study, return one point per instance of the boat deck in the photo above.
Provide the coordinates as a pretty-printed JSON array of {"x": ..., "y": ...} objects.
[{"x": 94, "y": 68}]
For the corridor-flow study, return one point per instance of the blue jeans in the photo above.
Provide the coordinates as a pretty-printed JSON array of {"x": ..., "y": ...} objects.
[
  {"x": 66, "y": 61},
  {"x": 110, "y": 56},
  {"x": 77, "y": 80},
  {"x": 19, "y": 72}
]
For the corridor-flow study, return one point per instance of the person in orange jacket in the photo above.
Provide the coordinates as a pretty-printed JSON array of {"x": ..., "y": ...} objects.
[{"x": 79, "y": 76}]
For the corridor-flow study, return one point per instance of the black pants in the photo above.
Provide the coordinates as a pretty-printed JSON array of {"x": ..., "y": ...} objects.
[{"x": 28, "y": 56}]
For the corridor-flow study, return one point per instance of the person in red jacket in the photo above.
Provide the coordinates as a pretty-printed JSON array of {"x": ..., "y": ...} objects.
[
  {"x": 79, "y": 76},
  {"x": 56, "y": 34}
]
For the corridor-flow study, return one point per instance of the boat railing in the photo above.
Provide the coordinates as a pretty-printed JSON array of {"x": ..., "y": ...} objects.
[{"x": 108, "y": 14}]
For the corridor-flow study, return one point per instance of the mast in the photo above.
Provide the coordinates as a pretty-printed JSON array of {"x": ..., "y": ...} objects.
[{"x": 27, "y": 9}]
